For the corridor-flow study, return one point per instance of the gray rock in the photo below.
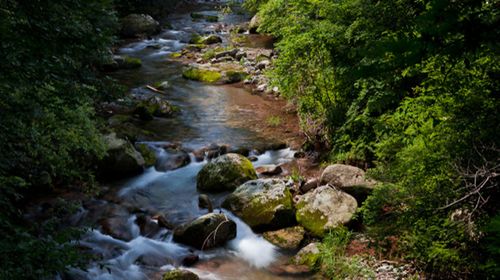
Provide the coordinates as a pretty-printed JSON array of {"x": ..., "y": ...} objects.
[
  {"x": 135, "y": 25},
  {"x": 225, "y": 173},
  {"x": 262, "y": 204},
  {"x": 206, "y": 232},
  {"x": 325, "y": 208},
  {"x": 350, "y": 179},
  {"x": 171, "y": 159},
  {"x": 269, "y": 169},
  {"x": 122, "y": 159}
]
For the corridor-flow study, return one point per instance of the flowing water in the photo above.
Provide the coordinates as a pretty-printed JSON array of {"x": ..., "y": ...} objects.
[{"x": 209, "y": 114}]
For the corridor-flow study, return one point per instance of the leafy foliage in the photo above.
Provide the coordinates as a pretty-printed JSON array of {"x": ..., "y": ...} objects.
[
  {"x": 410, "y": 87},
  {"x": 48, "y": 134}
]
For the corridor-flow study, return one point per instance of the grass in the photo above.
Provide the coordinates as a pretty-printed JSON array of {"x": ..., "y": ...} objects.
[
  {"x": 274, "y": 121},
  {"x": 334, "y": 262}
]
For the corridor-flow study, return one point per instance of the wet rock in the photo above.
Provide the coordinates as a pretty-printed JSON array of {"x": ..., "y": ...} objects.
[
  {"x": 171, "y": 159},
  {"x": 163, "y": 222},
  {"x": 254, "y": 24},
  {"x": 225, "y": 173},
  {"x": 309, "y": 185},
  {"x": 287, "y": 238},
  {"x": 122, "y": 159},
  {"x": 147, "y": 153},
  {"x": 205, "y": 203},
  {"x": 349, "y": 179},
  {"x": 206, "y": 232},
  {"x": 263, "y": 64},
  {"x": 116, "y": 222},
  {"x": 234, "y": 77},
  {"x": 269, "y": 169},
  {"x": 190, "y": 260},
  {"x": 307, "y": 256},
  {"x": 325, "y": 208},
  {"x": 136, "y": 25},
  {"x": 147, "y": 225},
  {"x": 230, "y": 53},
  {"x": 262, "y": 204},
  {"x": 202, "y": 75},
  {"x": 180, "y": 274},
  {"x": 211, "y": 39},
  {"x": 210, "y": 152},
  {"x": 155, "y": 107}
]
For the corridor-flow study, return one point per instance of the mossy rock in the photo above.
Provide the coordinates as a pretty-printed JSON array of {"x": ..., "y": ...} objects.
[
  {"x": 197, "y": 16},
  {"x": 196, "y": 39},
  {"x": 179, "y": 274},
  {"x": 175, "y": 55},
  {"x": 212, "y": 18},
  {"x": 308, "y": 256},
  {"x": 155, "y": 107},
  {"x": 147, "y": 153},
  {"x": 122, "y": 159},
  {"x": 325, "y": 208},
  {"x": 262, "y": 204},
  {"x": 287, "y": 238},
  {"x": 235, "y": 76},
  {"x": 225, "y": 173},
  {"x": 202, "y": 75},
  {"x": 211, "y": 39}
]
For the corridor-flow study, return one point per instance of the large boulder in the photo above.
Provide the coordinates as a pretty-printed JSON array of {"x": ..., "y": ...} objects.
[
  {"x": 325, "y": 208},
  {"x": 350, "y": 179},
  {"x": 122, "y": 159},
  {"x": 287, "y": 238},
  {"x": 206, "y": 232},
  {"x": 254, "y": 24},
  {"x": 262, "y": 204},
  {"x": 136, "y": 25},
  {"x": 225, "y": 173}
]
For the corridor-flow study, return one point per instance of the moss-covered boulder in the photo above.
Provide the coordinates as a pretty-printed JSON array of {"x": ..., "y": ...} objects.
[
  {"x": 211, "y": 39},
  {"x": 325, "y": 208},
  {"x": 202, "y": 75},
  {"x": 147, "y": 153},
  {"x": 262, "y": 204},
  {"x": 287, "y": 238},
  {"x": 155, "y": 107},
  {"x": 122, "y": 159},
  {"x": 136, "y": 25},
  {"x": 180, "y": 274},
  {"x": 206, "y": 232},
  {"x": 349, "y": 179},
  {"x": 308, "y": 256},
  {"x": 225, "y": 173}
]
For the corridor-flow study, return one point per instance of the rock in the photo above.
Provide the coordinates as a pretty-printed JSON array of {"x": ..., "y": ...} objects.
[
  {"x": 307, "y": 256},
  {"x": 147, "y": 226},
  {"x": 287, "y": 238},
  {"x": 202, "y": 75},
  {"x": 254, "y": 24},
  {"x": 155, "y": 107},
  {"x": 230, "y": 53},
  {"x": 263, "y": 64},
  {"x": 262, "y": 204},
  {"x": 234, "y": 77},
  {"x": 325, "y": 208},
  {"x": 262, "y": 87},
  {"x": 225, "y": 173},
  {"x": 253, "y": 158},
  {"x": 269, "y": 169},
  {"x": 239, "y": 55},
  {"x": 211, "y": 39},
  {"x": 171, "y": 159},
  {"x": 147, "y": 153},
  {"x": 190, "y": 260},
  {"x": 179, "y": 274},
  {"x": 116, "y": 222},
  {"x": 136, "y": 25},
  {"x": 205, "y": 203},
  {"x": 206, "y": 232},
  {"x": 122, "y": 62},
  {"x": 350, "y": 179},
  {"x": 309, "y": 185},
  {"x": 122, "y": 159},
  {"x": 210, "y": 152}
]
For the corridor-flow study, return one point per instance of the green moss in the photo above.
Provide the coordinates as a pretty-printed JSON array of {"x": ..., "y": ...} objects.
[
  {"x": 225, "y": 174},
  {"x": 175, "y": 55},
  {"x": 202, "y": 75},
  {"x": 212, "y": 18},
  {"x": 196, "y": 39},
  {"x": 148, "y": 155},
  {"x": 312, "y": 221},
  {"x": 310, "y": 260},
  {"x": 178, "y": 274},
  {"x": 131, "y": 62},
  {"x": 261, "y": 212},
  {"x": 209, "y": 54}
]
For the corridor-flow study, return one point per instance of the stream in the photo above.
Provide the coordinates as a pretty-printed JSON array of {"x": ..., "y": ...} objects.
[{"x": 209, "y": 114}]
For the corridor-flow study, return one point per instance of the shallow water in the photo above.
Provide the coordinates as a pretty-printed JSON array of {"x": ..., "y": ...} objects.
[{"x": 209, "y": 114}]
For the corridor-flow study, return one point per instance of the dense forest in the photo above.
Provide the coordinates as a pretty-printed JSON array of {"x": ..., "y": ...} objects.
[{"x": 406, "y": 89}]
